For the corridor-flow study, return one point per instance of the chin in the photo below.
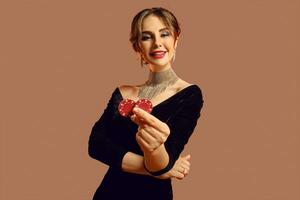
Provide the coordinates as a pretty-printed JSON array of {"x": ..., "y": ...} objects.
[{"x": 160, "y": 64}]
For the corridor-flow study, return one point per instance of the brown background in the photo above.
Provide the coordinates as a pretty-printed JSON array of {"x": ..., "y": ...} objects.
[{"x": 61, "y": 60}]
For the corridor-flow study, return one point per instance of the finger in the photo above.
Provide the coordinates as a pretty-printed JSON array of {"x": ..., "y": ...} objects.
[
  {"x": 183, "y": 160},
  {"x": 185, "y": 166},
  {"x": 186, "y": 173},
  {"x": 136, "y": 120},
  {"x": 146, "y": 136},
  {"x": 133, "y": 118},
  {"x": 157, "y": 135},
  {"x": 186, "y": 162},
  {"x": 187, "y": 157},
  {"x": 178, "y": 175},
  {"x": 142, "y": 142},
  {"x": 147, "y": 117}
]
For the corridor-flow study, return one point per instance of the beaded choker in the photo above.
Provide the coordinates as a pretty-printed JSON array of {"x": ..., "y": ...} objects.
[{"x": 157, "y": 83}]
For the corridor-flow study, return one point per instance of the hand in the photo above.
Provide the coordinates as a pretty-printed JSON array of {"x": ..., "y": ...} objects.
[
  {"x": 180, "y": 169},
  {"x": 151, "y": 132}
]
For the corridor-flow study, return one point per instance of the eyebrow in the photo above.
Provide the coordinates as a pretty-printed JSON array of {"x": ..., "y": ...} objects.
[{"x": 159, "y": 30}]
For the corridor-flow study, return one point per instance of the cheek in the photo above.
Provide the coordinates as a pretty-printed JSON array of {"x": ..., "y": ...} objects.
[
  {"x": 145, "y": 45},
  {"x": 172, "y": 44},
  {"x": 145, "y": 48}
]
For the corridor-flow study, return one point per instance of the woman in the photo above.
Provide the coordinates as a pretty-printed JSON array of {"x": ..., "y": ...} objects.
[{"x": 143, "y": 150}]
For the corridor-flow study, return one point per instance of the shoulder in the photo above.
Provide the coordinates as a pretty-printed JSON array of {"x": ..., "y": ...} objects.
[
  {"x": 193, "y": 100},
  {"x": 194, "y": 90},
  {"x": 127, "y": 90},
  {"x": 192, "y": 103}
]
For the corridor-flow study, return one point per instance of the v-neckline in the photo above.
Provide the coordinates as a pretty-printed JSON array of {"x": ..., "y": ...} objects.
[{"x": 164, "y": 101}]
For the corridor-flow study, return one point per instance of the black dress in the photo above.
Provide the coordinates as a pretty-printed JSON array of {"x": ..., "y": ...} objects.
[{"x": 113, "y": 135}]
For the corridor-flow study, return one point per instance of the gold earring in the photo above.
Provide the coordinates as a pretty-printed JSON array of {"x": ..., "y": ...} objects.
[
  {"x": 173, "y": 59},
  {"x": 143, "y": 62}
]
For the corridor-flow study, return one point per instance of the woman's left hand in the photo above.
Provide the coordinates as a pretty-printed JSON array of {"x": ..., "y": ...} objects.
[
  {"x": 151, "y": 132},
  {"x": 180, "y": 169}
]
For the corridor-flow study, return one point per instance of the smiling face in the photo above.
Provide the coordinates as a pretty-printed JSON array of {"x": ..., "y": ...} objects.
[{"x": 157, "y": 43}]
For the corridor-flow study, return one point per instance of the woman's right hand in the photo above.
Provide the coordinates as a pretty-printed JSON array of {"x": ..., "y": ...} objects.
[{"x": 180, "y": 169}]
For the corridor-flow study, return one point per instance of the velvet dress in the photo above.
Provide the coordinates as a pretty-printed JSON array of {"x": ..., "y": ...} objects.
[{"x": 113, "y": 135}]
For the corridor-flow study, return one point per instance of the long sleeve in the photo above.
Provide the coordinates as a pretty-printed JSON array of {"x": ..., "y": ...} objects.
[
  {"x": 100, "y": 146},
  {"x": 181, "y": 128}
]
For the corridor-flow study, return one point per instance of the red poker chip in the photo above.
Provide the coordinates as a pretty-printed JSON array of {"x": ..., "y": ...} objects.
[
  {"x": 144, "y": 104},
  {"x": 125, "y": 107}
]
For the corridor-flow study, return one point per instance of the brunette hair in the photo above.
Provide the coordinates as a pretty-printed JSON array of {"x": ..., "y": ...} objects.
[{"x": 165, "y": 15}]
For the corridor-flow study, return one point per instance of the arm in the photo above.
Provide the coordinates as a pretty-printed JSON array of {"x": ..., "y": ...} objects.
[
  {"x": 103, "y": 149},
  {"x": 181, "y": 128},
  {"x": 157, "y": 159},
  {"x": 134, "y": 163},
  {"x": 100, "y": 146}
]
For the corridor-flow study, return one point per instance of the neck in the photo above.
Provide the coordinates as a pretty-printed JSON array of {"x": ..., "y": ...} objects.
[
  {"x": 161, "y": 77},
  {"x": 155, "y": 68},
  {"x": 157, "y": 83}
]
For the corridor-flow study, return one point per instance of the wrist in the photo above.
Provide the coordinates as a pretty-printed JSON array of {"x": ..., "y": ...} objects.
[
  {"x": 155, "y": 152},
  {"x": 163, "y": 172},
  {"x": 145, "y": 167}
]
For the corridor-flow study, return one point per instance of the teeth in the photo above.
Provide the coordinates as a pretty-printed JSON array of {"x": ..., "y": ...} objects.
[{"x": 158, "y": 53}]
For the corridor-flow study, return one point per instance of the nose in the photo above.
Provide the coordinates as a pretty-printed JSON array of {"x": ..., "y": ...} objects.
[{"x": 157, "y": 42}]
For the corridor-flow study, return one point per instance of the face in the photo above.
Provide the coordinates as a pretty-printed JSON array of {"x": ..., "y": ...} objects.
[{"x": 157, "y": 43}]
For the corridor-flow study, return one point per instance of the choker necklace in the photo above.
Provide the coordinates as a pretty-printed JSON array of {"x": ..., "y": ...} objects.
[{"x": 157, "y": 83}]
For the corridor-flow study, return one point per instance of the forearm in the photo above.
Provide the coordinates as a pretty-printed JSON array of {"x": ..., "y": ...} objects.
[
  {"x": 156, "y": 160},
  {"x": 133, "y": 163}
]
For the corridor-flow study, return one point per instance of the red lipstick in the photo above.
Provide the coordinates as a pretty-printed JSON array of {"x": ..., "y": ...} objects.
[{"x": 158, "y": 54}]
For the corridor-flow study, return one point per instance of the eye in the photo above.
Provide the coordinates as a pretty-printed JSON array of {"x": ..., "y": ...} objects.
[
  {"x": 165, "y": 34},
  {"x": 145, "y": 37}
]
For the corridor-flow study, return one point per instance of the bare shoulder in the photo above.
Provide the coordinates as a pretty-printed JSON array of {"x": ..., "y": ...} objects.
[
  {"x": 181, "y": 84},
  {"x": 128, "y": 90}
]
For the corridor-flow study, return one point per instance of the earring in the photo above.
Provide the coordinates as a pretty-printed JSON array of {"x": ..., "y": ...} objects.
[
  {"x": 173, "y": 59},
  {"x": 143, "y": 62}
]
